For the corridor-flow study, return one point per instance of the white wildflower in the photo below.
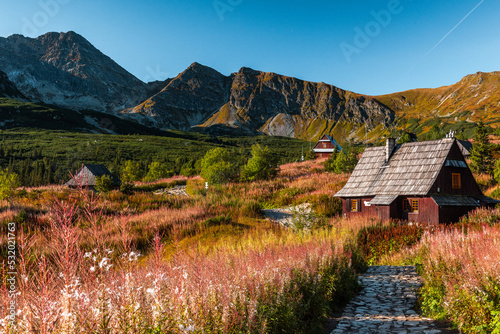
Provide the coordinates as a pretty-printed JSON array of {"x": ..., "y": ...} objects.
[
  {"x": 104, "y": 262},
  {"x": 87, "y": 255},
  {"x": 92, "y": 269}
]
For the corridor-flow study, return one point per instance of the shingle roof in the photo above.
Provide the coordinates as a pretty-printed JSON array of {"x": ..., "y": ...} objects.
[
  {"x": 465, "y": 147},
  {"x": 383, "y": 199},
  {"x": 448, "y": 200},
  {"x": 88, "y": 174},
  {"x": 411, "y": 170}
]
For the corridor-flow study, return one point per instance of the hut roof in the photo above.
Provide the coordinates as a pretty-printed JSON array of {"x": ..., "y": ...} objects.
[
  {"x": 88, "y": 174},
  {"x": 465, "y": 147},
  {"x": 411, "y": 170}
]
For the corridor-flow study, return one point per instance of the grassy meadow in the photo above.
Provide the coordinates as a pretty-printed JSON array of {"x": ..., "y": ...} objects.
[{"x": 211, "y": 263}]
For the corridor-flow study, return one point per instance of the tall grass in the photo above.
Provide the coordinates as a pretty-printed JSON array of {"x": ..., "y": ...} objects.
[
  {"x": 265, "y": 284},
  {"x": 209, "y": 263},
  {"x": 462, "y": 275}
]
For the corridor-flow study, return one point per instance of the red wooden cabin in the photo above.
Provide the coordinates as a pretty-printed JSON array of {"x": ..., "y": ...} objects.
[
  {"x": 326, "y": 146},
  {"x": 426, "y": 182}
]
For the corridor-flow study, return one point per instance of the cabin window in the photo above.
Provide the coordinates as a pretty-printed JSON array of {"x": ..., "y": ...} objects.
[
  {"x": 414, "y": 205},
  {"x": 354, "y": 205},
  {"x": 324, "y": 145},
  {"x": 406, "y": 205},
  {"x": 321, "y": 155},
  {"x": 456, "y": 182}
]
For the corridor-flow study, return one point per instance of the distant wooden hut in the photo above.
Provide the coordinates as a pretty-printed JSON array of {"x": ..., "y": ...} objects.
[
  {"x": 326, "y": 146},
  {"x": 88, "y": 174},
  {"x": 426, "y": 182}
]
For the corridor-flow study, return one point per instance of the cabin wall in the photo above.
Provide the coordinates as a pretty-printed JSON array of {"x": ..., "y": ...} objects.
[
  {"x": 443, "y": 182},
  {"x": 363, "y": 209},
  {"x": 323, "y": 155},
  {"x": 452, "y": 214},
  {"x": 388, "y": 212},
  {"x": 428, "y": 212}
]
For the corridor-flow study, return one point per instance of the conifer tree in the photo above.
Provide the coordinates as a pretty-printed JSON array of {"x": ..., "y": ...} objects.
[{"x": 481, "y": 155}]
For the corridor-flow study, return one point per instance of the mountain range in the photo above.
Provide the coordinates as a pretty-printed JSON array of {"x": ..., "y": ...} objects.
[{"x": 67, "y": 71}]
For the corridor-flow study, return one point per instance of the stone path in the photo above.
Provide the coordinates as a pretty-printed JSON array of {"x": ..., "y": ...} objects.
[
  {"x": 285, "y": 216},
  {"x": 175, "y": 191},
  {"x": 386, "y": 304}
]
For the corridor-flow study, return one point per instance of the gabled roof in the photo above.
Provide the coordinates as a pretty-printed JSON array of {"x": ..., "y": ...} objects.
[
  {"x": 88, "y": 174},
  {"x": 412, "y": 170}
]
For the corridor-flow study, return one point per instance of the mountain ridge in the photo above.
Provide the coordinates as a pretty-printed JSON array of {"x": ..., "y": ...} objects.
[{"x": 66, "y": 70}]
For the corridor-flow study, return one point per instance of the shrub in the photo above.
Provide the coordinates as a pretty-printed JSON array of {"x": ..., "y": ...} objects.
[
  {"x": 126, "y": 187},
  {"x": 131, "y": 171},
  {"x": 8, "y": 183},
  {"x": 156, "y": 171},
  {"x": 104, "y": 183},
  {"x": 251, "y": 209},
  {"x": 217, "y": 166},
  {"x": 262, "y": 165},
  {"x": 376, "y": 241},
  {"x": 341, "y": 162}
]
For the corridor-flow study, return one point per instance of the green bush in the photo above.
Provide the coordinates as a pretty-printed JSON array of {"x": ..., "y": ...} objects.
[
  {"x": 307, "y": 299},
  {"x": 156, "y": 171},
  {"x": 376, "y": 241},
  {"x": 217, "y": 166},
  {"x": 8, "y": 183},
  {"x": 341, "y": 162},
  {"x": 104, "y": 183},
  {"x": 262, "y": 165}
]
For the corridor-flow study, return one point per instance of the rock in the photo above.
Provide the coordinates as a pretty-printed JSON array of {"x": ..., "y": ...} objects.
[
  {"x": 386, "y": 312},
  {"x": 8, "y": 89},
  {"x": 64, "y": 69}
]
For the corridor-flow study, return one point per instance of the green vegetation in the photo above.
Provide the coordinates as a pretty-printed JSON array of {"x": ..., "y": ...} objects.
[
  {"x": 8, "y": 183},
  {"x": 218, "y": 166},
  {"x": 47, "y": 157},
  {"x": 104, "y": 184},
  {"x": 481, "y": 155},
  {"x": 341, "y": 162},
  {"x": 262, "y": 165}
]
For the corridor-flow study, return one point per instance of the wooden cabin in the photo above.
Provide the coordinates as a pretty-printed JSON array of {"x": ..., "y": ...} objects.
[
  {"x": 426, "y": 182},
  {"x": 88, "y": 174},
  {"x": 326, "y": 146}
]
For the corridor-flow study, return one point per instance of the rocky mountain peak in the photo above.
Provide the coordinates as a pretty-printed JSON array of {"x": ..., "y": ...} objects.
[{"x": 65, "y": 69}]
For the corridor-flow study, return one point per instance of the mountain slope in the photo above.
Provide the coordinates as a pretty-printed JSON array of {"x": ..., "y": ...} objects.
[
  {"x": 475, "y": 97},
  {"x": 252, "y": 101},
  {"x": 64, "y": 69},
  {"x": 8, "y": 89},
  {"x": 186, "y": 101}
]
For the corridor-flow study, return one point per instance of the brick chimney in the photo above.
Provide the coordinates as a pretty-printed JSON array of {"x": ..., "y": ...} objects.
[{"x": 390, "y": 144}]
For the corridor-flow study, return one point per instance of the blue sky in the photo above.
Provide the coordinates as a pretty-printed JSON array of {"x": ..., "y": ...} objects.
[{"x": 370, "y": 47}]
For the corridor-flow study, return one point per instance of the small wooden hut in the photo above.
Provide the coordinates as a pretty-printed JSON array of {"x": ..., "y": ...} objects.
[
  {"x": 88, "y": 174},
  {"x": 326, "y": 146},
  {"x": 426, "y": 182}
]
